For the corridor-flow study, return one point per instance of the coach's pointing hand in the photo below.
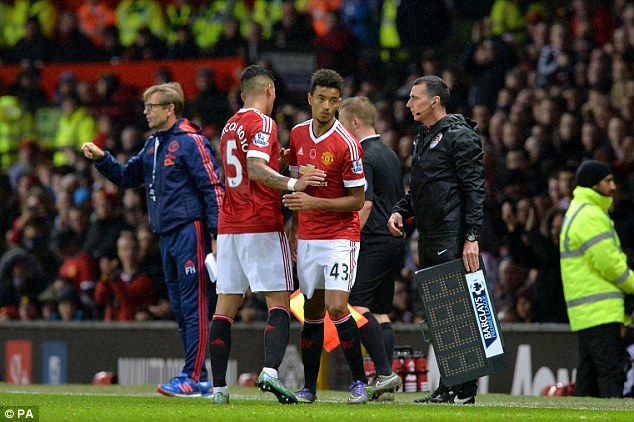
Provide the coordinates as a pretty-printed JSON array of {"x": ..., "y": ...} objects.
[{"x": 92, "y": 151}]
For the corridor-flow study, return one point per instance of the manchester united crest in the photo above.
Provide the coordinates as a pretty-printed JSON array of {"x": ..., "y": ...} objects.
[{"x": 328, "y": 158}]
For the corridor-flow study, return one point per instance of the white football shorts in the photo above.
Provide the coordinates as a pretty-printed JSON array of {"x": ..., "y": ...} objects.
[
  {"x": 259, "y": 260},
  {"x": 326, "y": 264}
]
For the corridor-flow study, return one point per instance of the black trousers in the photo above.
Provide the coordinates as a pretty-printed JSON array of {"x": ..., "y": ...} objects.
[
  {"x": 439, "y": 251},
  {"x": 602, "y": 362}
]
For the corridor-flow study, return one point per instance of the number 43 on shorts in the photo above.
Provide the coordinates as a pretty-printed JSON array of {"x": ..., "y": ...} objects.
[{"x": 340, "y": 271}]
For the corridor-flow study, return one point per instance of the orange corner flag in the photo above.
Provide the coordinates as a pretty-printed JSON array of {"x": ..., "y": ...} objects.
[{"x": 331, "y": 339}]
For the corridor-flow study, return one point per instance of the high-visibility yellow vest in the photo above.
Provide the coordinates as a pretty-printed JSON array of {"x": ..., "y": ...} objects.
[
  {"x": 388, "y": 33},
  {"x": 15, "y": 125},
  {"x": 73, "y": 131},
  {"x": 594, "y": 269},
  {"x": 175, "y": 19},
  {"x": 132, "y": 15},
  {"x": 21, "y": 11}
]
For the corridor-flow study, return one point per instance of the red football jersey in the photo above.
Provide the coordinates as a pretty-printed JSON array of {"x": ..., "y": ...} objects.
[
  {"x": 249, "y": 206},
  {"x": 340, "y": 155}
]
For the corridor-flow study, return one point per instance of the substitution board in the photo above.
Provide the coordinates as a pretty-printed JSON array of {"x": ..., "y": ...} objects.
[{"x": 461, "y": 318}]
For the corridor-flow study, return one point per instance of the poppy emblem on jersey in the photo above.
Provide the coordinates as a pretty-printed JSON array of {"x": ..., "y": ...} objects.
[
  {"x": 328, "y": 158},
  {"x": 190, "y": 268},
  {"x": 357, "y": 166},
  {"x": 173, "y": 147},
  {"x": 312, "y": 153},
  {"x": 435, "y": 141},
  {"x": 261, "y": 139},
  {"x": 150, "y": 150}
]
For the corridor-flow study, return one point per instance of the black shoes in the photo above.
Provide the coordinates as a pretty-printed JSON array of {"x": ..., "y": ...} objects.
[{"x": 444, "y": 395}]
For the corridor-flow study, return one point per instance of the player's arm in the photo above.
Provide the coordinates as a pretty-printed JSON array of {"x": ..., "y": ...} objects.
[
  {"x": 364, "y": 213},
  {"x": 260, "y": 172},
  {"x": 353, "y": 201}
]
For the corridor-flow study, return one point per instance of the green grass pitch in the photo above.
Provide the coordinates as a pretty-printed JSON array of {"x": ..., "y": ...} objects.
[{"x": 142, "y": 403}]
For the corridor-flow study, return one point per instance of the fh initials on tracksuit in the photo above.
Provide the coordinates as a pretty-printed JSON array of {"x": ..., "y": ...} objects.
[{"x": 190, "y": 268}]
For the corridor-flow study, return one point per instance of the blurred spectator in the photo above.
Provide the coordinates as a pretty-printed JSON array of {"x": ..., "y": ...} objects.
[
  {"x": 592, "y": 20},
  {"x": 183, "y": 45},
  {"x": 511, "y": 278},
  {"x": 28, "y": 310},
  {"x": 230, "y": 43},
  {"x": 256, "y": 44},
  {"x": 253, "y": 308},
  {"x": 508, "y": 19},
  {"x": 111, "y": 49},
  {"x": 76, "y": 126},
  {"x": 337, "y": 48},
  {"x": 68, "y": 304},
  {"x": 34, "y": 48},
  {"x": 150, "y": 263},
  {"x": 134, "y": 211},
  {"x": 146, "y": 46},
  {"x": 402, "y": 305},
  {"x": 9, "y": 207},
  {"x": 417, "y": 38},
  {"x": 134, "y": 15},
  {"x": 79, "y": 214},
  {"x": 179, "y": 14},
  {"x": 208, "y": 23},
  {"x": 524, "y": 305},
  {"x": 69, "y": 43},
  {"x": 15, "y": 125},
  {"x": 21, "y": 276},
  {"x": 35, "y": 240},
  {"x": 209, "y": 106},
  {"x": 538, "y": 247},
  {"x": 27, "y": 86},
  {"x": 78, "y": 268},
  {"x": 294, "y": 31},
  {"x": 131, "y": 142},
  {"x": 106, "y": 136},
  {"x": 28, "y": 156},
  {"x": 486, "y": 61},
  {"x": 163, "y": 75},
  {"x": 362, "y": 17},
  {"x": 106, "y": 224},
  {"x": 122, "y": 289},
  {"x": 95, "y": 16},
  {"x": 114, "y": 98},
  {"x": 66, "y": 85},
  {"x": 44, "y": 12}
]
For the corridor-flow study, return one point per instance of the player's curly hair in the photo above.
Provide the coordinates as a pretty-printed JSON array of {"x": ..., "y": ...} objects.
[{"x": 326, "y": 78}]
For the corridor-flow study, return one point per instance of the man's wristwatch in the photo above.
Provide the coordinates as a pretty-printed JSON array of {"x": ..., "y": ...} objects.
[{"x": 472, "y": 236}]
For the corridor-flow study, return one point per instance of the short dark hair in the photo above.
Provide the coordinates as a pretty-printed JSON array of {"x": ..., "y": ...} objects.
[
  {"x": 435, "y": 86},
  {"x": 254, "y": 78},
  {"x": 326, "y": 78}
]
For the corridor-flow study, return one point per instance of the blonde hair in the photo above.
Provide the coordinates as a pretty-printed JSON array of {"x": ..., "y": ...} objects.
[
  {"x": 361, "y": 108},
  {"x": 169, "y": 93}
]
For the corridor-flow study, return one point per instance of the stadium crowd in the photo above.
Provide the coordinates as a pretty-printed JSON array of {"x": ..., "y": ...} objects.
[{"x": 549, "y": 83}]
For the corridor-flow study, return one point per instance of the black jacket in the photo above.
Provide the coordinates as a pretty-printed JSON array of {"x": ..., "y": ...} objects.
[{"x": 447, "y": 182}]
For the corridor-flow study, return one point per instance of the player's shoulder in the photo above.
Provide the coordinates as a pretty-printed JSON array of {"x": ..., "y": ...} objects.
[
  {"x": 259, "y": 121},
  {"x": 303, "y": 126}
]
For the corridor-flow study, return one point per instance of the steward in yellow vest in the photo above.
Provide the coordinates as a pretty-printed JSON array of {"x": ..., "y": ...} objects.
[{"x": 595, "y": 277}]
